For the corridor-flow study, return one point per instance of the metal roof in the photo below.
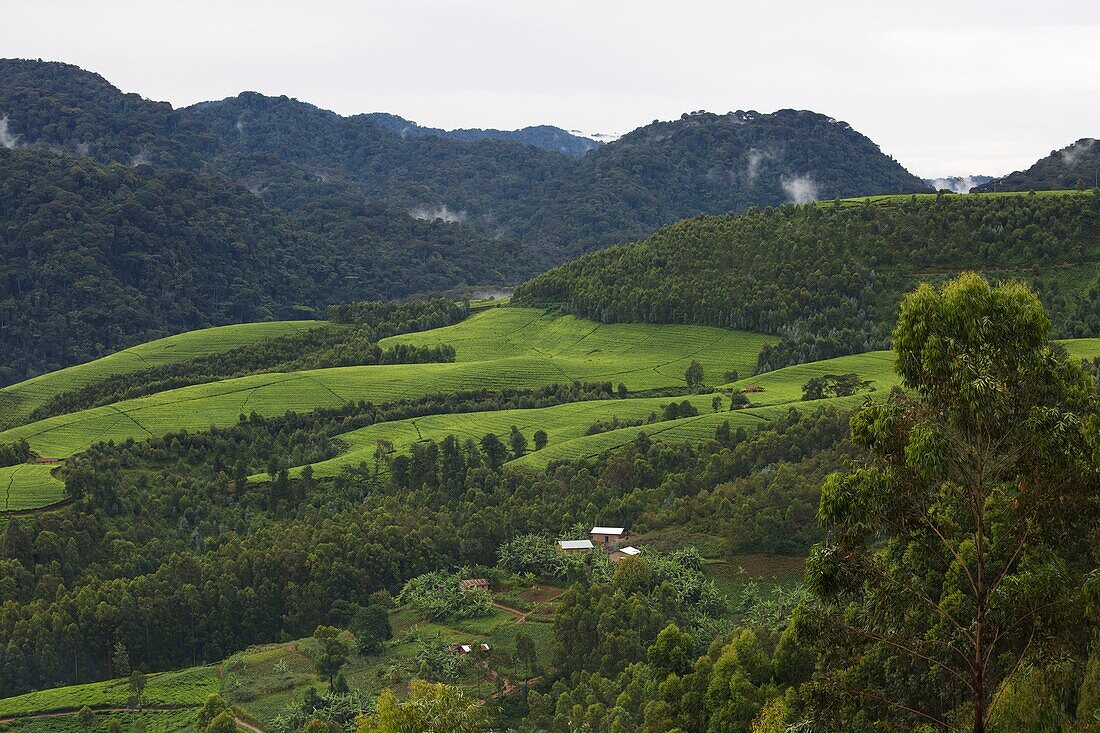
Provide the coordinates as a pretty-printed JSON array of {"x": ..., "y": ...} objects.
[
  {"x": 575, "y": 544},
  {"x": 630, "y": 551},
  {"x": 607, "y": 530}
]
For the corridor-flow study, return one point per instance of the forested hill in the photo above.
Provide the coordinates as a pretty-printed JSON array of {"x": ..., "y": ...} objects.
[
  {"x": 1069, "y": 167},
  {"x": 564, "y": 205},
  {"x": 626, "y": 189},
  {"x": 828, "y": 278},
  {"x": 98, "y": 257},
  {"x": 546, "y": 137}
]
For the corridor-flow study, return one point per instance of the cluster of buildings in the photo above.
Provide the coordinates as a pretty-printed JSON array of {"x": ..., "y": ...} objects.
[{"x": 609, "y": 539}]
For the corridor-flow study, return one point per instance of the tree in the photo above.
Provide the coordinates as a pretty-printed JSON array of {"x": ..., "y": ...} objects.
[
  {"x": 316, "y": 725},
  {"x": 732, "y": 376},
  {"x": 495, "y": 452},
  {"x": 621, "y": 391},
  {"x": 716, "y": 403},
  {"x": 738, "y": 399},
  {"x": 371, "y": 627},
  {"x": 518, "y": 442},
  {"x": 541, "y": 439},
  {"x": 693, "y": 375},
  {"x": 113, "y": 726},
  {"x": 430, "y": 707},
  {"x": 333, "y": 655},
  {"x": 211, "y": 708},
  {"x": 120, "y": 660},
  {"x": 958, "y": 543},
  {"x": 224, "y": 722},
  {"x": 86, "y": 718},
  {"x": 137, "y": 685},
  {"x": 526, "y": 653}
]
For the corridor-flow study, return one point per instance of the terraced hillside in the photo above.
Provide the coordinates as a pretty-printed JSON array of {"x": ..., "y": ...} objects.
[
  {"x": 19, "y": 400},
  {"x": 497, "y": 349}
]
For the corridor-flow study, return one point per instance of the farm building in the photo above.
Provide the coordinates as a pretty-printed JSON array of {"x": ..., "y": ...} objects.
[
  {"x": 624, "y": 552},
  {"x": 575, "y": 545},
  {"x": 473, "y": 583},
  {"x": 607, "y": 535},
  {"x": 469, "y": 648}
]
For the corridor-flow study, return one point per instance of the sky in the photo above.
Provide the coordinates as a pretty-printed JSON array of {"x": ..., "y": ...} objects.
[{"x": 947, "y": 88}]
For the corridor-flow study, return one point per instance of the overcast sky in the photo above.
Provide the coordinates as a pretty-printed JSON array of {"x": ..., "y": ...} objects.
[{"x": 945, "y": 87}]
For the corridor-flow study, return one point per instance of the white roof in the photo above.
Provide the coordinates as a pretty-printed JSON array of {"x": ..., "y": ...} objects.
[
  {"x": 466, "y": 648},
  {"x": 630, "y": 551},
  {"x": 607, "y": 530},
  {"x": 575, "y": 544}
]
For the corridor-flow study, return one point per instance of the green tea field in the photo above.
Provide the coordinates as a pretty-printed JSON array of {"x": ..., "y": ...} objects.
[
  {"x": 496, "y": 349},
  {"x": 18, "y": 400}
]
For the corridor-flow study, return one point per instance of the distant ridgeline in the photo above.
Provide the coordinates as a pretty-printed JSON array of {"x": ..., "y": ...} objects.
[
  {"x": 1074, "y": 166},
  {"x": 828, "y": 278},
  {"x": 257, "y": 207}
]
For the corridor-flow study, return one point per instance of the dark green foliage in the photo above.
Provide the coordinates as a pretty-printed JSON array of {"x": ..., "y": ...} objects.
[
  {"x": 333, "y": 655},
  {"x": 100, "y": 257},
  {"x": 370, "y": 625},
  {"x": 168, "y": 533},
  {"x": 1076, "y": 164},
  {"x": 833, "y": 385},
  {"x": 517, "y": 441},
  {"x": 14, "y": 453},
  {"x": 694, "y": 374},
  {"x": 829, "y": 279},
  {"x": 540, "y": 439}
]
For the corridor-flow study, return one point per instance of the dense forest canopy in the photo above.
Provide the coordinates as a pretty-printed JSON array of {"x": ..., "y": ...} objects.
[
  {"x": 622, "y": 190},
  {"x": 828, "y": 278},
  {"x": 1074, "y": 166},
  {"x": 100, "y": 257}
]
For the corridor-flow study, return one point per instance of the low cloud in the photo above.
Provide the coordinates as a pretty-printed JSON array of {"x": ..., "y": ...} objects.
[
  {"x": 437, "y": 213},
  {"x": 7, "y": 140},
  {"x": 756, "y": 159},
  {"x": 800, "y": 189},
  {"x": 1074, "y": 153},
  {"x": 142, "y": 158}
]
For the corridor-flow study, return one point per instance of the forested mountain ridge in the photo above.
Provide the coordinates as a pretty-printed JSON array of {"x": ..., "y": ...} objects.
[
  {"x": 546, "y": 137},
  {"x": 828, "y": 278},
  {"x": 1070, "y": 167},
  {"x": 655, "y": 175},
  {"x": 98, "y": 257},
  {"x": 658, "y": 174}
]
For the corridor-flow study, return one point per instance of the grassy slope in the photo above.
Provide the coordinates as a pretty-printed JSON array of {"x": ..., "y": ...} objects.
[
  {"x": 28, "y": 486},
  {"x": 497, "y": 349},
  {"x": 187, "y": 688},
  {"x": 18, "y": 400}
]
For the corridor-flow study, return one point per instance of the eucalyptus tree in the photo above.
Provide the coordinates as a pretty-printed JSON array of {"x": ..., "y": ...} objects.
[{"x": 956, "y": 550}]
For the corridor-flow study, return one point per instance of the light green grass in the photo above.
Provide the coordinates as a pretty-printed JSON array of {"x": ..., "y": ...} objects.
[
  {"x": 188, "y": 687},
  {"x": 895, "y": 198},
  {"x": 497, "y": 349},
  {"x": 18, "y": 400},
  {"x": 561, "y": 423},
  {"x": 173, "y": 721},
  {"x": 29, "y": 486}
]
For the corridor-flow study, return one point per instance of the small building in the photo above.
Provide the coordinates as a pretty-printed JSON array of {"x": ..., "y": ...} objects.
[
  {"x": 469, "y": 648},
  {"x": 607, "y": 535},
  {"x": 624, "y": 552},
  {"x": 575, "y": 545},
  {"x": 473, "y": 584}
]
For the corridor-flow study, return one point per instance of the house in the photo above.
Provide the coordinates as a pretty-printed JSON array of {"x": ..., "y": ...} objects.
[
  {"x": 575, "y": 545},
  {"x": 625, "y": 552},
  {"x": 607, "y": 535},
  {"x": 473, "y": 584},
  {"x": 469, "y": 648}
]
